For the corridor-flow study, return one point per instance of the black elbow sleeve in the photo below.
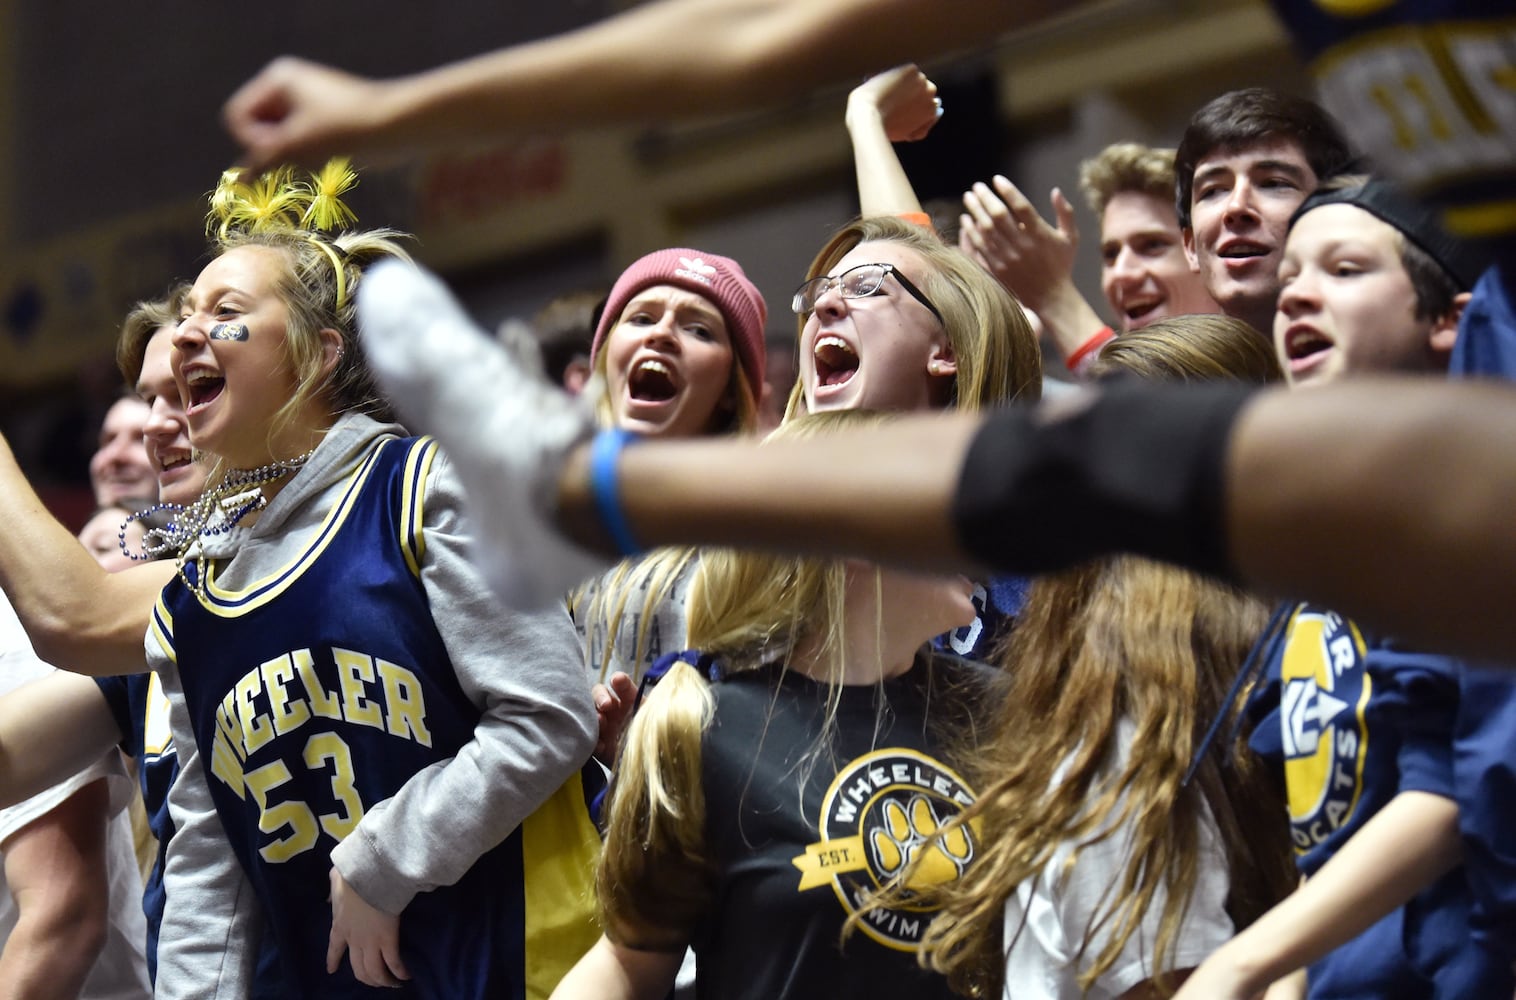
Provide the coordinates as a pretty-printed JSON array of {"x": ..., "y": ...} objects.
[{"x": 1132, "y": 467}]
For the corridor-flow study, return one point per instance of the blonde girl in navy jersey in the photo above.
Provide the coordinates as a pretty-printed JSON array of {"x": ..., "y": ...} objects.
[
  {"x": 370, "y": 725},
  {"x": 392, "y": 758}
]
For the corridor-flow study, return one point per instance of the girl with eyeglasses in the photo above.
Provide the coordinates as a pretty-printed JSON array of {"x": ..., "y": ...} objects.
[{"x": 891, "y": 318}]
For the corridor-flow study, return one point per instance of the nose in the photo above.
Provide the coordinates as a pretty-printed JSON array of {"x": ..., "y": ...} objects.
[
  {"x": 165, "y": 419},
  {"x": 830, "y": 302},
  {"x": 1299, "y": 295},
  {"x": 1127, "y": 268},
  {"x": 1239, "y": 202},
  {"x": 114, "y": 451},
  {"x": 661, "y": 333},
  {"x": 187, "y": 334}
]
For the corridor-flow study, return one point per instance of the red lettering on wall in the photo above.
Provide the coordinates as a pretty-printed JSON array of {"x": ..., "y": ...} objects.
[{"x": 472, "y": 186}]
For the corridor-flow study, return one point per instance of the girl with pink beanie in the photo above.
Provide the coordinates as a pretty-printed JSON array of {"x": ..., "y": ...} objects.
[{"x": 678, "y": 352}]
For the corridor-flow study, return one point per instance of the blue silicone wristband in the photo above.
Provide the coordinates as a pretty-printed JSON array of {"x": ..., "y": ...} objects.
[{"x": 604, "y": 454}]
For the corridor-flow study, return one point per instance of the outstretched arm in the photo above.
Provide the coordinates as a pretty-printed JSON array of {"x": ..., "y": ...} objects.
[
  {"x": 75, "y": 613},
  {"x": 1338, "y": 495},
  {"x": 733, "y": 54},
  {"x": 1408, "y": 844}
]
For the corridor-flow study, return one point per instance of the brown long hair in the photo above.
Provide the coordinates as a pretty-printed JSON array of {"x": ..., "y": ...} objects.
[
  {"x": 1107, "y": 641},
  {"x": 1114, "y": 640}
]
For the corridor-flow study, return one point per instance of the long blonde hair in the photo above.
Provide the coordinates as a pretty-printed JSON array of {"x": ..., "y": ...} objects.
[
  {"x": 1119, "y": 639},
  {"x": 748, "y": 610}
]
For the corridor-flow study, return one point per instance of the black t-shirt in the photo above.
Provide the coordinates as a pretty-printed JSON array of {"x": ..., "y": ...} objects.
[{"x": 789, "y": 872}]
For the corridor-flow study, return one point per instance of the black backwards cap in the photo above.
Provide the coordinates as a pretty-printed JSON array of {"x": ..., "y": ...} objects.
[{"x": 1419, "y": 224}]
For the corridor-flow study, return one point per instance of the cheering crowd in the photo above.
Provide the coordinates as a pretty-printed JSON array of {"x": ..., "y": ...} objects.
[{"x": 1185, "y": 682}]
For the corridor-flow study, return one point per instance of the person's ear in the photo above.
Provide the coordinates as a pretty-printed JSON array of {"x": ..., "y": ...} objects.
[
  {"x": 942, "y": 362},
  {"x": 1187, "y": 236},
  {"x": 576, "y": 374},
  {"x": 331, "y": 351},
  {"x": 1445, "y": 327}
]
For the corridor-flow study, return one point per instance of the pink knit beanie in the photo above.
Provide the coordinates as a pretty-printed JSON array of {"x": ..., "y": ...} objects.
[{"x": 711, "y": 276}]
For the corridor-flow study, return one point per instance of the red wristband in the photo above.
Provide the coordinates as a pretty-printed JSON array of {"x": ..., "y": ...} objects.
[{"x": 1082, "y": 353}]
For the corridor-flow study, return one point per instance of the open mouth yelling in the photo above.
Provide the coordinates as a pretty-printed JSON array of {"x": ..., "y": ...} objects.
[
  {"x": 204, "y": 387},
  {"x": 652, "y": 381},
  {"x": 1305, "y": 346},
  {"x": 836, "y": 362}
]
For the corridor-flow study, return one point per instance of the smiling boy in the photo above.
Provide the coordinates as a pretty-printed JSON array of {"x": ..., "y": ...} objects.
[{"x": 1247, "y": 160}]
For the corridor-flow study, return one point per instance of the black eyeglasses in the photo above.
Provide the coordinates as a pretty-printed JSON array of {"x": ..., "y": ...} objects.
[{"x": 856, "y": 283}]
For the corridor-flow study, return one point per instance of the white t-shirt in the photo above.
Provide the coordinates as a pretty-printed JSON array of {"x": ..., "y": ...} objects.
[
  {"x": 120, "y": 973},
  {"x": 1059, "y": 909}
]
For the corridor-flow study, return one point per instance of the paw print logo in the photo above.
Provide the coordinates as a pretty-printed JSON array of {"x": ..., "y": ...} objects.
[{"x": 905, "y": 831}]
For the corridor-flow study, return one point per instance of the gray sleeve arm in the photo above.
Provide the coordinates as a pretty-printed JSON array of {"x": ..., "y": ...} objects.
[
  {"x": 525, "y": 672},
  {"x": 208, "y": 943}
]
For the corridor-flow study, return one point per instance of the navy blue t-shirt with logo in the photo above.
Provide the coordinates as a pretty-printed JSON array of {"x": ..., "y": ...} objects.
[{"x": 1354, "y": 720}]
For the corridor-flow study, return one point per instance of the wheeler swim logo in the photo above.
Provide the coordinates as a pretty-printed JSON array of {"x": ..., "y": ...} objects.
[{"x": 876, "y": 818}]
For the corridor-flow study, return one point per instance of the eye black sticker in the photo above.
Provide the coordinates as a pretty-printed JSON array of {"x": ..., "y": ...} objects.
[{"x": 229, "y": 331}]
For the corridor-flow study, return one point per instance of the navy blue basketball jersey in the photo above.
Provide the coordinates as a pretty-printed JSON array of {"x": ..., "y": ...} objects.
[{"x": 317, "y": 692}]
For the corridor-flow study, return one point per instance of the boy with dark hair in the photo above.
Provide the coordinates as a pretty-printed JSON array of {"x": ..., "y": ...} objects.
[
  {"x": 1242, "y": 117},
  {"x": 1247, "y": 160}
]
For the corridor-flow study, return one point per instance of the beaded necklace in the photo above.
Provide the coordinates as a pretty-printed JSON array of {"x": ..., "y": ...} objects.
[{"x": 238, "y": 494}]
